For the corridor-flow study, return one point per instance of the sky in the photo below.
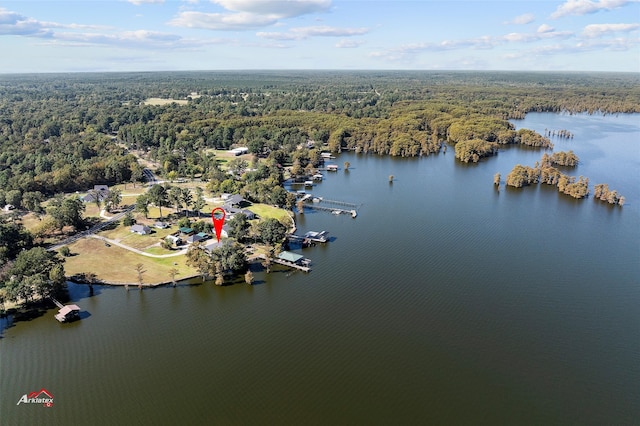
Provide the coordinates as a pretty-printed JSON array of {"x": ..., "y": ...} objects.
[{"x": 155, "y": 35}]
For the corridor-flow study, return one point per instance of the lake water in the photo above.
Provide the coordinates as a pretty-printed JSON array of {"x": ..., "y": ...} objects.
[{"x": 445, "y": 301}]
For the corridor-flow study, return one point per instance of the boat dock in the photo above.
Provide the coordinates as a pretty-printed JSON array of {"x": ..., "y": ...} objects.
[
  {"x": 310, "y": 237},
  {"x": 292, "y": 260},
  {"x": 320, "y": 203},
  {"x": 292, "y": 264},
  {"x": 333, "y": 210},
  {"x": 66, "y": 313}
]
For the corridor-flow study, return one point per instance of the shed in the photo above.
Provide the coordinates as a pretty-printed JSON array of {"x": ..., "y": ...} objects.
[
  {"x": 161, "y": 225},
  {"x": 186, "y": 231}
]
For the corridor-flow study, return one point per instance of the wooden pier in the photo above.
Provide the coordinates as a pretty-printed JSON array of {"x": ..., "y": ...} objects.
[
  {"x": 340, "y": 203},
  {"x": 333, "y": 210},
  {"x": 291, "y": 264}
]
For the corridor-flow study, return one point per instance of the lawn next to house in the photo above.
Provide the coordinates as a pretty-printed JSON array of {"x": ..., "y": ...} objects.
[{"x": 114, "y": 255}]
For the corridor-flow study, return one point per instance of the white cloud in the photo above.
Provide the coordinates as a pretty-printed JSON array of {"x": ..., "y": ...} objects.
[
  {"x": 527, "y": 18},
  {"x": 55, "y": 33},
  {"x": 597, "y": 30},
  {"x": 222, "y": 21},
  {"x": 544, "y": 28},
  {"x": 543, "y": 32},
  {"x": 409, "y": 51},
  {"x": 301, "y": 33},
  {"x": 12, "y": 23},
  {"x": 140, "y": 39},
  {"x": 249, "y": 14},
  {"x": 348, "y": 44},
  {"x": 139, "y": 2},
  {"x": 278, "y": 8},
  {"x": 583, "y": 7}
]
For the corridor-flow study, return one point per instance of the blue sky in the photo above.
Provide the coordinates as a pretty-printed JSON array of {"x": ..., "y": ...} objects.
[{"x": 150, "y": 35}]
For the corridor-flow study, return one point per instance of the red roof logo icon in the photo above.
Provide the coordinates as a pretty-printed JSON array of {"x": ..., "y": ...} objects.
[{"x": 39, "y": 393}]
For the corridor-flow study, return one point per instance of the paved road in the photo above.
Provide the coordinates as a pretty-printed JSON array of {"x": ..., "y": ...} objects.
[
  {"x": 92, "y": 230},
  {"x": 116, "y": 243}
]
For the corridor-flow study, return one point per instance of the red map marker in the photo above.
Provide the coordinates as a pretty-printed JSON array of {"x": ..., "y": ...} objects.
[{"x": 218, "y": 215}]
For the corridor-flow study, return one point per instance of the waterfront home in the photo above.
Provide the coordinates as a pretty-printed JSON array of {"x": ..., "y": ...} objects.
[
  {"x": 209, "y": 248},
  {"x": 232, "y": 211},
  {"x": 141, "y": 229}
]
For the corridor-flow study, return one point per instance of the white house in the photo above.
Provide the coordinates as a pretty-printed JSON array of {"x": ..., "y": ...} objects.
[
  {"x": 141, "y": 229},
  {"x": 239, "y": 151}
]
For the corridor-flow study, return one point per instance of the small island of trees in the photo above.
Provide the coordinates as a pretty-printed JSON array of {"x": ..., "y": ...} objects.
[{"x": 544, "y": 172}]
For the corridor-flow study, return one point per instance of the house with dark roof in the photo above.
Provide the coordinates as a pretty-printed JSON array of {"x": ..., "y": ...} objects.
[
  {"x": 231, "y": 211},
  {"x": 194, "y": 238},
  {"x": 99, "y": 192},
  {"x": 235, "y": 200}
]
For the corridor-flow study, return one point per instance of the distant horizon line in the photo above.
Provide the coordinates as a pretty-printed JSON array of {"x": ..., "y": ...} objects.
[{"x": 385, "y": 70}]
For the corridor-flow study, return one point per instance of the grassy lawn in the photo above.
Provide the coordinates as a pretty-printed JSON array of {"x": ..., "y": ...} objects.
[
  {"x": 157, "y": 250},
  {"x": 265, "y": 211},
  {"x": 30, "y": 221},
  {"x": 124, "y": 235},
  {"x": 117, "y": 265}
]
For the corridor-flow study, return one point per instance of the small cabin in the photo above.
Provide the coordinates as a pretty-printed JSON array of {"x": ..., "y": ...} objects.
[{"x": 68, "y": 313}]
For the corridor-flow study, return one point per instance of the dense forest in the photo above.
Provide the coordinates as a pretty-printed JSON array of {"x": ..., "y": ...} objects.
[{"x": 67, "y": 132}]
